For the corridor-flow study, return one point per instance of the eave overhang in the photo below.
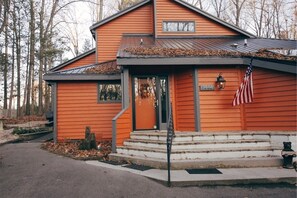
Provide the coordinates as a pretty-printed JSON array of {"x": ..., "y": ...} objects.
[
  {"x": 283, "y": 66},
  {"x": 80, "y": 77}
]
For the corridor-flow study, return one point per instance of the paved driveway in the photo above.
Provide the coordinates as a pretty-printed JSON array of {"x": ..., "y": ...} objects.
[{"x": 28, "y": 171}]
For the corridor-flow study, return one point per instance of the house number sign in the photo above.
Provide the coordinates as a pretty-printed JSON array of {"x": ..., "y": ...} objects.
[{"x": 207, "y": 88}]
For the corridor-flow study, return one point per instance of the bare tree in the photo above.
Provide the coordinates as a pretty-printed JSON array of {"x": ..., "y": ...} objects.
[
  {"x": 123, "y": 4},
  {"x": 237, "y": 8},
  {"x": 219, "y": 7},
  {"x": 30, "y": 91},
  {"x": 4, "y": 12},
  {"x": 257, "y": 11}
]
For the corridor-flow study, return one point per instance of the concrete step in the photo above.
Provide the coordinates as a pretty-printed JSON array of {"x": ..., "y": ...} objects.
[
  {"x": 196, "y": 136},
  {"x": 200, "y": 163},
  {"x": 185, "y": 145},
  {"x": 200, "y": 153}
]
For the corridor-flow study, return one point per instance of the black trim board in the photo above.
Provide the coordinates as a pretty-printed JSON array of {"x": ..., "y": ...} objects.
[
  {"x": 219, "y": 61},
  {"x": 84, "y": 77}
]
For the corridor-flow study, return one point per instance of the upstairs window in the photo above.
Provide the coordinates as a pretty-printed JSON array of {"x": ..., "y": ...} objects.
[
  {"x": 178, "y": 26},
  {"x": 109, "y": 92}
]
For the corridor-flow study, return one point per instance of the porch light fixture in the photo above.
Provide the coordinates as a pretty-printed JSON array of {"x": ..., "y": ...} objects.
[{"x": 220, "y": 82}]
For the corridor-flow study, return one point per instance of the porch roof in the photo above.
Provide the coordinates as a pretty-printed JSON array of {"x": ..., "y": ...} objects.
[
  {"x": 103, "y": 71},
  {"x": 225, "y": 43},
  {"x": 147, "y": 50}
]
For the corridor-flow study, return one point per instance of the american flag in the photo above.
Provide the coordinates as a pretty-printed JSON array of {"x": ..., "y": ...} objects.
[{"x": 245, "y": 92}]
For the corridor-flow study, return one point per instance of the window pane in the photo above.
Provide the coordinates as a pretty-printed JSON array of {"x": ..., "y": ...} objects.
[
  {"x": 163, "y": 93},
  {"x": 110, "y": 92},
  {"x": 178, "y": 26}
]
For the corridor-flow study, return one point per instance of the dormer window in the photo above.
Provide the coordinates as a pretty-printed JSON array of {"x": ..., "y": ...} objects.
[{"x": 178, "y": 26}]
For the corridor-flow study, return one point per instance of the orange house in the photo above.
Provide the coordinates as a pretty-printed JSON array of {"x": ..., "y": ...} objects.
[{"x": 160, "y": 54}]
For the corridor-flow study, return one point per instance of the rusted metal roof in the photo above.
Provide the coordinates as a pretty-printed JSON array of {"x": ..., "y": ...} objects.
[
  {"x": 109, "y": 67},
  {"x": 102, "y": 71},
  {"x": 222, "y": 43}
]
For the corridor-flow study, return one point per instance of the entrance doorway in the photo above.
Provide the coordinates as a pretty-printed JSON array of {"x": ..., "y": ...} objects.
[{"x": 150, "y": 102}]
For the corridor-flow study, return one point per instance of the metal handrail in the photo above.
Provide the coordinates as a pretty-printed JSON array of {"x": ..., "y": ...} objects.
[{"x": 170, "y": 136}]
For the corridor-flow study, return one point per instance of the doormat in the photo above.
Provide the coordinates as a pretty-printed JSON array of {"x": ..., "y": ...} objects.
[
  {"x": 138, "y": 167},
  {"x": 204, "y": 171},
  {"x": 112, "y": 162}
]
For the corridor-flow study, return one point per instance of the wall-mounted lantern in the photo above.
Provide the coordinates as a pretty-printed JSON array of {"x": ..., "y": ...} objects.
[{"x": 220, "y": 82}]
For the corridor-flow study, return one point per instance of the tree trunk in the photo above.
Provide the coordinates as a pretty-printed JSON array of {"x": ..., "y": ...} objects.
[
  {"x": 17, "y": 35},
  {"x": 12, "y": 79},
  {"x": 41, "y": 59},
  {"x": 31, "y": 61},
  {"x": 5, "y": 72}
]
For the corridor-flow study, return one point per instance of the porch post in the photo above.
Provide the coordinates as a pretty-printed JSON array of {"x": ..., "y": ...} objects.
[
  {"x": 126, "y": 88},
  {"x": 125, "y": 105},
  {"x": 54, "y": 108},
  {"x": 196, "y": 100}
]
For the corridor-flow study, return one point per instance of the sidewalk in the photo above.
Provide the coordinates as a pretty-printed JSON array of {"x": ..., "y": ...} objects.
[{"x": 230, "y": 176}]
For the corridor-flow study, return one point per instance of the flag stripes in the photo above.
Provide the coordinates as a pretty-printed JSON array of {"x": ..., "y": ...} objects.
[{"x": 245, "y": 92}]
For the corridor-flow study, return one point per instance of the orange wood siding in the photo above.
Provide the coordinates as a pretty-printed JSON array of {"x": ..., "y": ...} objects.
[
  {"x": 167, "y": 10},
  {"x": 77, "y": 108},
  {"x": 274, "y": 106},
  {"x": 216, "y": 110},
  {"x": 124, "y": 127},
  {"x": 109, "y": 35},
  {"x": 90, "y": 59},
  {"x": 184, "y": 100}
]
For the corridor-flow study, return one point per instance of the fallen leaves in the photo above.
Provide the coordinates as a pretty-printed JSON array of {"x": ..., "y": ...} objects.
[
  {"x": 23, "y": 119},
  {"x": 104, "y": 68},
  {"x": 71, "y": 149},
  {"x": 176, "y": 52}
]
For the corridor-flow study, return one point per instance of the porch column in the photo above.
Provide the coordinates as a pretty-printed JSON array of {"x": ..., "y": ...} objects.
[
  {"x": 125, "y": 105},
  {"x": 196, "y": 100},
  {"x": 54, "y": 108},
  {"x": 126, "y": 88}
]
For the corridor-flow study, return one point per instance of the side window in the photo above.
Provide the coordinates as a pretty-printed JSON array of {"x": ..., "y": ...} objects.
[
  {"x": 178, "y": 26},
  {"x": 109, "y": 92}
]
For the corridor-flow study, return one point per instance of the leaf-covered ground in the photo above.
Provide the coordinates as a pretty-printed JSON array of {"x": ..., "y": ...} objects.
[
  {"x": 71, "y": 149},
  {"x": 23, "y": 119}
]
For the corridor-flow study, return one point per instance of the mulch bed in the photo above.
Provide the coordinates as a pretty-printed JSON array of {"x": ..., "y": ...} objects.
[{"x": 71, "y": 149}]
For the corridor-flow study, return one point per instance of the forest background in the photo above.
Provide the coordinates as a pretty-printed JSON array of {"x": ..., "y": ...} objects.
[{"x": 36, "y": 35}]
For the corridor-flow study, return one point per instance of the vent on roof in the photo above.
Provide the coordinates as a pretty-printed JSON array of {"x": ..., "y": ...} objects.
[{"x": 234, "y": 45}]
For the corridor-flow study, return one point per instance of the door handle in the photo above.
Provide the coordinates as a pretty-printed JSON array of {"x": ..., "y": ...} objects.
[{"x": 157, "y": 102}]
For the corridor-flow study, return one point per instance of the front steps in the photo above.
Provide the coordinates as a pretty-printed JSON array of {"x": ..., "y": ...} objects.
[{"x": 197, "y": 150}]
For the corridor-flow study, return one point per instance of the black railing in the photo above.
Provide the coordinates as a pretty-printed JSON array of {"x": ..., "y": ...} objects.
[{"x": 170, "y": 136}]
